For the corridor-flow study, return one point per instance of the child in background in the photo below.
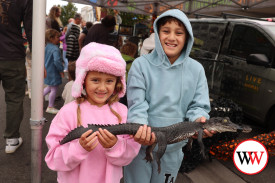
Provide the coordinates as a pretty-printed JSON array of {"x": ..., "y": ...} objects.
[
  {"x": 54, "y": 68},
  {"x": 62, "y": 38},
  {"x": 165, "y": 87},
  {"x": 128, "y": 52},
  {"x": 67, "y": 92},
  {"x": 98, "y": 156}
]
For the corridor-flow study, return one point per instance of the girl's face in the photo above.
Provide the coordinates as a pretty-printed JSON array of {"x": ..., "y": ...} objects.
[
  {"x": 172, "y": 38},
  {"x": 99, "y": 87},
  {"x": 55, "y": 40},
  {"x": 58, "y": 13}
]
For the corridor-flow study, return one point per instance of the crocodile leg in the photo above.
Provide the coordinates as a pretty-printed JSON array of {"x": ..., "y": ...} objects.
[
  {"x": 162, "y": 144},
  {"x": 189, "y": 144},
  {"x": 149, "y": 152},
  {"x": 200, "y": 134}
]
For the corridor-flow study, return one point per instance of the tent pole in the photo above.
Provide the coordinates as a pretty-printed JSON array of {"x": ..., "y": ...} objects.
[{"x": 37, "y": 121}]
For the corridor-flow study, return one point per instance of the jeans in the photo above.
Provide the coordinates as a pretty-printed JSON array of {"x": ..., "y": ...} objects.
[
  {"x": 65, "y": 61},
  {"x": 12, "y": 76}
]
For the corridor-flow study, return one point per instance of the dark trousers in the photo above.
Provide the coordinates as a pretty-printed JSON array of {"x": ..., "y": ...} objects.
[{"x": 13, "y": 77}]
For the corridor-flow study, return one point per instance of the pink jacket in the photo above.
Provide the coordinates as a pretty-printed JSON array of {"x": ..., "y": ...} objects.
[{"x": 76, "y": 165}]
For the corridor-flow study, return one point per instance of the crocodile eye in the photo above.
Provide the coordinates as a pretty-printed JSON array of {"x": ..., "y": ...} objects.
[{"x": 225, "y": 120}]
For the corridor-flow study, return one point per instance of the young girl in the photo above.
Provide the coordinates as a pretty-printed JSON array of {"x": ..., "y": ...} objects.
[
  {"x": 97, "y": 156},
  {"x": 54, "y": 68}
]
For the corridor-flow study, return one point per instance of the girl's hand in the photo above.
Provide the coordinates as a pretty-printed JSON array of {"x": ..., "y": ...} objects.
[
  {"x": 106, "y": 139},
  {"x": 88, "y": 141},
  {"x": 206, "y": 133},
  {"x": 144, "y": 136}
]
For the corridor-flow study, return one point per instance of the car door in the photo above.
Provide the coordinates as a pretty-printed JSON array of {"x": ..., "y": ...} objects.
[{"x": 245, "y": 83}]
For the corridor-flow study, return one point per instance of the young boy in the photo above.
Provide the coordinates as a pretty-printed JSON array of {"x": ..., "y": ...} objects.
[{"x": 163, "y": 88}]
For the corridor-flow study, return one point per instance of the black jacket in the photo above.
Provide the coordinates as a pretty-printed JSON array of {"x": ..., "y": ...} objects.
[{"x": 11, "y": 41}]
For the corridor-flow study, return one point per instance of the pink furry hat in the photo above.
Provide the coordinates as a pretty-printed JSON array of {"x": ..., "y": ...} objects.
[{"x": 101, "y": 58}]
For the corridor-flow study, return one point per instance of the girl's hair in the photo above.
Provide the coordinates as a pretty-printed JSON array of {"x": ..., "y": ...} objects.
[
  {"x": 52, "y": 15},
  {"x": 50, "y": 34},
  {"x": 114, "y": 98}
]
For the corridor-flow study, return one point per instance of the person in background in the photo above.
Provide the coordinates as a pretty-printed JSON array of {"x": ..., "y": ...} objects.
[
  {"x": 54, "y": 68},
  {"x": 128, "y": 52},
  {"x": 83, "y": 34},
  {"x": 118, "y": 19},
  {"x": 71, "y": 20},
  {"x": 75, "y": 21},
  {"x": 62, "y": 38},
  {"x": 53, "y": 20},
  {"x": 99, "y": 33},
  {"x": 97, "y": 156},
  {"x": 72, "y": 43},
  {"x": 12, "y": 65},
  {"x": 82, "y": 25},
  {"x": 148, "y": 45},
  {"x": 67, "y": 92},
  {"x": 163, "y": 88}
]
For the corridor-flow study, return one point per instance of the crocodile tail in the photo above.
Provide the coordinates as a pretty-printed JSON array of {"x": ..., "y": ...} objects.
[{"x": 74, "y": 134}]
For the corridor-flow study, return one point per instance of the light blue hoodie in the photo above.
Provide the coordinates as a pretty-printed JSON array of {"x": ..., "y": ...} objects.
[{"x": 160, "y": 94}]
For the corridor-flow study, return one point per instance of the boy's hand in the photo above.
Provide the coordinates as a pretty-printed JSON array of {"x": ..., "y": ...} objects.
[
  {"x": 106, "y": 139},
  {"x": 88, "y": 141},
  {"x": 206, "y": 133},
  {"x": 144, "y": 136}
]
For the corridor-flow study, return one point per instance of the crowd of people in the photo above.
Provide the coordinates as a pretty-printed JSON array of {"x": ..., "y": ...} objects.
[{"x": 164, "y": 86}]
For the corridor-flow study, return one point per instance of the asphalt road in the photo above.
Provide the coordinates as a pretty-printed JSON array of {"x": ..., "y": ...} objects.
[{"x": 16, "y": 168}]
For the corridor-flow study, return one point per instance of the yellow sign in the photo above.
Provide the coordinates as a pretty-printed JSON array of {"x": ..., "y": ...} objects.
[{"x": 252, "y": 82}]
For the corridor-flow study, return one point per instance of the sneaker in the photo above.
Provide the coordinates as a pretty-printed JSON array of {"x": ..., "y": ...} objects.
[
  {"x": 52, "y": 110},
  {"x": 12, "y": 144}
]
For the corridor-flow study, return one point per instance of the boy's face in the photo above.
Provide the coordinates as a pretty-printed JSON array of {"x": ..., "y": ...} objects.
[{"x": 172, "y": 38}]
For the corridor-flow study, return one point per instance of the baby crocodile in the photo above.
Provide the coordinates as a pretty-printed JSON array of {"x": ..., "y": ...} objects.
[{"x": 164, "y": 135}]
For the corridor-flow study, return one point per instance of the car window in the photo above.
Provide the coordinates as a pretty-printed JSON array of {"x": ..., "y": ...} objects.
[
  {"x": 207, "y": 37},
  {"x": 248, "y": 40}
]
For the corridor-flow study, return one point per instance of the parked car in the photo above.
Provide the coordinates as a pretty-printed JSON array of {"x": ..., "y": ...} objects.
[{"x": 239, "y": 60}]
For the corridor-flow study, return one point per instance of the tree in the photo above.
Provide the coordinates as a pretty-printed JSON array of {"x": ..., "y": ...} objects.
[
  {"x": 130, "y": 18},
  {"x": 67, "y": 12}
]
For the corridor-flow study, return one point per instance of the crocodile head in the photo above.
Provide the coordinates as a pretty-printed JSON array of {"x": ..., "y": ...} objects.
[{"x": 223, "y": 124}]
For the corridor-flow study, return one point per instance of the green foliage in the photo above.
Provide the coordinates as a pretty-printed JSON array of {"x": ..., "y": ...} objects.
[
  {"x": 67, "y": 12},
  {"x": 130, "y": 18}
]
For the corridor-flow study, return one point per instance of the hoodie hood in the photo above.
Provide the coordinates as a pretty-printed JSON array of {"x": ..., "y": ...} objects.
[{"x": 158, "y": 48}]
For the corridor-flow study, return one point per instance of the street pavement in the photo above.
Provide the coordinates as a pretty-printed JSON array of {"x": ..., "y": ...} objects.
[{"x": 16, "y": 168}]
